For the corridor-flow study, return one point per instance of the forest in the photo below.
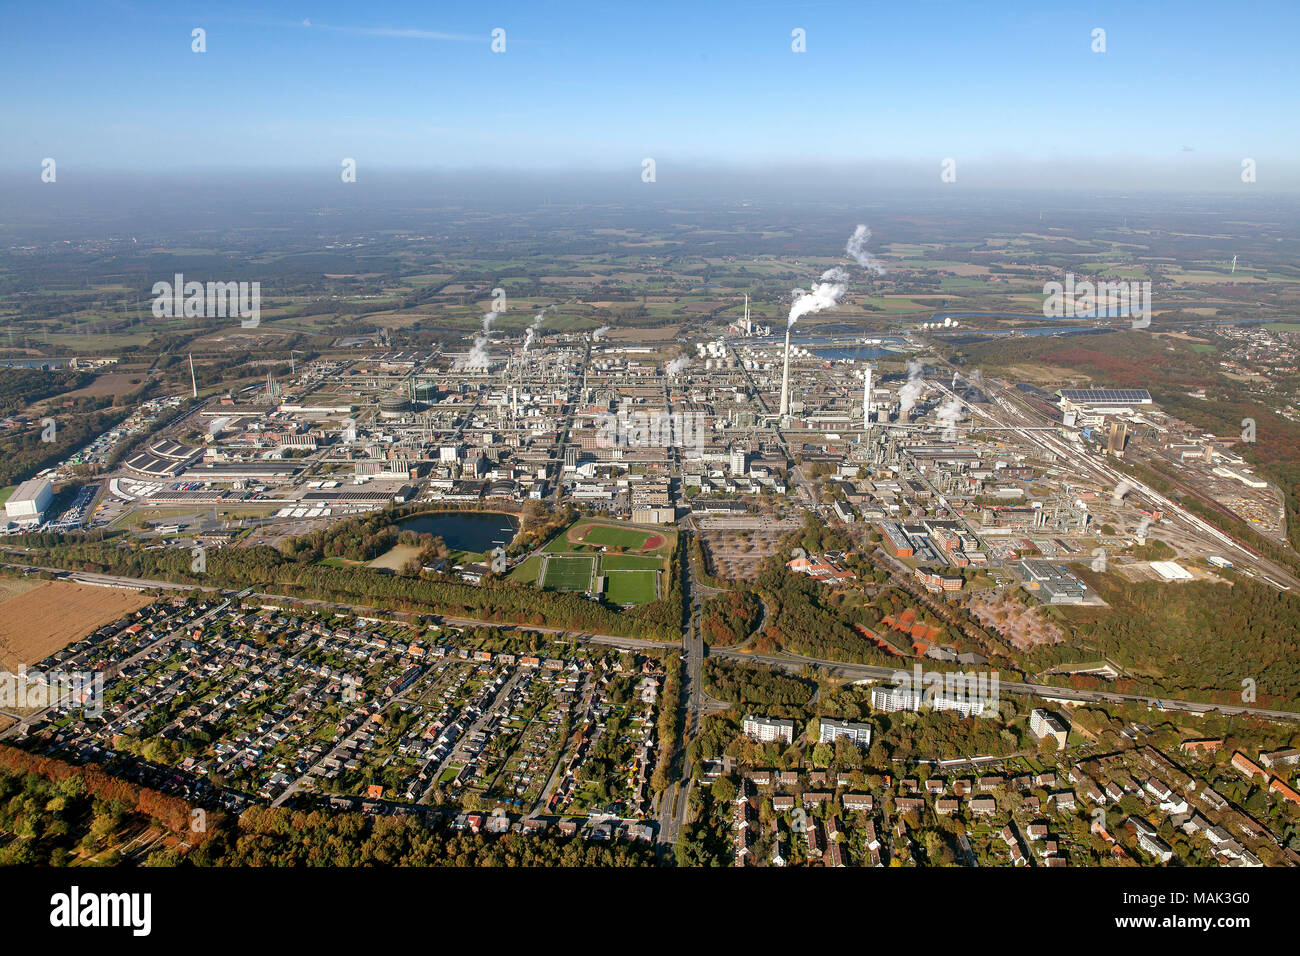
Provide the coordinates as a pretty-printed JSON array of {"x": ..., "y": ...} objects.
[{"x": 496, "y": 600}]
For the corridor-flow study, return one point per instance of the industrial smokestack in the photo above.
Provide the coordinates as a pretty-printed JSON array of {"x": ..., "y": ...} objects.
[
  {"x": 785, "y": 376},
  {"x": 866, "y": 400}
]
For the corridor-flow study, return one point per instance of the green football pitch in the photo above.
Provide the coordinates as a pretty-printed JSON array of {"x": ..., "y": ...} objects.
[
  {"x": 630, "y": 562},
  {"x": 567, "y": 574},
  {"x": 631, "y": 587},
  {"x": 611, "y": 537}
]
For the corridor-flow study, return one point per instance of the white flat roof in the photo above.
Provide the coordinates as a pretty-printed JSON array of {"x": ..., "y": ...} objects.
[
  {"x": 29, "y": 490},
  {"x": 1171, "y": 570}
]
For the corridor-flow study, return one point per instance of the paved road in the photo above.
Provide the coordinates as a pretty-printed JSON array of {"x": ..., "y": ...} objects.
[
  {"x": 674, "y": 802},
  {"x": 108, "y": 580},
  {"x": 795, "y": 663}
]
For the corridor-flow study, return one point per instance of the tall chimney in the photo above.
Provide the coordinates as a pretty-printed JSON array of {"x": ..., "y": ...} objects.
[
  {"x": 866, "y": 400},
  {"x": 785, "y": 377}
]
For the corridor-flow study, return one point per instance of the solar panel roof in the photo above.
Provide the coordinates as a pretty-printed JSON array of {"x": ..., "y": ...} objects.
[{"x": 1116, "y": 396}]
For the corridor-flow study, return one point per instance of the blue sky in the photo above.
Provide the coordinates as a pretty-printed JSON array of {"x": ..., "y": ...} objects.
[{"x": 115, "y": 85}]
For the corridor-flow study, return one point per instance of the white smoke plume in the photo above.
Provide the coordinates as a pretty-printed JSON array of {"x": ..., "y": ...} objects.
[
  {"x": 1142, "y": 526},
  {"x": 677, "y": 366},
  {"x": 532, "y": 329},
  {"x": 950, "y": 413},
  {"x": 911, "y": 392},
  {"x": 599, "y": 332},
  {"x": 857, "y": 250},
  {"x": 825, "y": 294},
  {"x": 477, "y": 359},
  {"x": 1117, "y": 496}
]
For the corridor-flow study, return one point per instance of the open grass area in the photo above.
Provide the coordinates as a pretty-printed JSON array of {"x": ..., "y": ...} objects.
[
  {"x": 527, "y": 571},
  {"x": 593, "y": 535},
  {"x": 567, "y": 574},
  {"x": 630, "y": 562},
  {"x": 609, "y": 536},
  {"x": 572, "y": 558},
  {"x": 631, "y": 587}
]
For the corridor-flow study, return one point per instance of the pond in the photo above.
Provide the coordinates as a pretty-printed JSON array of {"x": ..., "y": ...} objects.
[{"x": 472, "y": 531}]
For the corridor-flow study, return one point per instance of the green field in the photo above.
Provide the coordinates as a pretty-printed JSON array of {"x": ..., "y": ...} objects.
[
  {"x": 567, "y": 574},
  {"x": 630, "y": 562},
  {"x": 631, "y": 587},
  {"x": 527, "y": 571},
  {"x": 611, "y": 537}
]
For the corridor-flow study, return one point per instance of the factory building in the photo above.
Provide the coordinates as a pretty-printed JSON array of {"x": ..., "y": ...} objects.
[
  {"x": 1055, "y": 584},
  {"x": 1084, "y": 407},
  {"x": 26, "y": 506}
]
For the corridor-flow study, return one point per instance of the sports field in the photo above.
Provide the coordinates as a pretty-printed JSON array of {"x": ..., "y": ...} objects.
[
  {"x": 567, "y": 574},
  {"x": 630, "y": 562},
  {"x": 613, "y": 536},
  {"x": 631, "y": 587}
]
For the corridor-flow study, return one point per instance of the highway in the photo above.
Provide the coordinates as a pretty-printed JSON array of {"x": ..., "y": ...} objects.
[
  {"x": 794, "y": 663},
  {"x": 694, "y": 654}
]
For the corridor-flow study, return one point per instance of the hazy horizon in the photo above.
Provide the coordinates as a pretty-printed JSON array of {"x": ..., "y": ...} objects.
[{"x": 1177, "y": 99}]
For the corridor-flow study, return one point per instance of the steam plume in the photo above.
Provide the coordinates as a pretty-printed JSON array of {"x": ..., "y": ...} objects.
[
  {"x": 825, "y": 294},
  {"x": 857, "y": 250},
  {"x": 1117, "y": 496},
  {"x": 477, "y": 359},
  {"x": 911, "y": 392},
  {"x": 532, "y": 329},
  {"x": 950, "y": 413}
]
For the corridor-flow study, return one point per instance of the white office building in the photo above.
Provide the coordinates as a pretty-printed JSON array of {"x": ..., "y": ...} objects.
[{"x": 739, "y": 462}]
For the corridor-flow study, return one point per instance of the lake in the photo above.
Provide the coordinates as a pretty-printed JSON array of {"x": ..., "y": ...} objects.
[{"x": 472, "y": 531}]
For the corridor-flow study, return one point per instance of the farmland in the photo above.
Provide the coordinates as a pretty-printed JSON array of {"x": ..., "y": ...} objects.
[{"x": 46, "y": 618}]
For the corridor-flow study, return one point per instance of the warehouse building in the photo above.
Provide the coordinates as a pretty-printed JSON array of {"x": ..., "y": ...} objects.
[{"x": 27, "y": 504}]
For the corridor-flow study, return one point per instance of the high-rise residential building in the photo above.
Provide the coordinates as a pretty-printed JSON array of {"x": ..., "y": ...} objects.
[
  {"x": 1044, "y": 723},
  {"x": 833, "y": 730},
  {"x": 766, "y": 730}
]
